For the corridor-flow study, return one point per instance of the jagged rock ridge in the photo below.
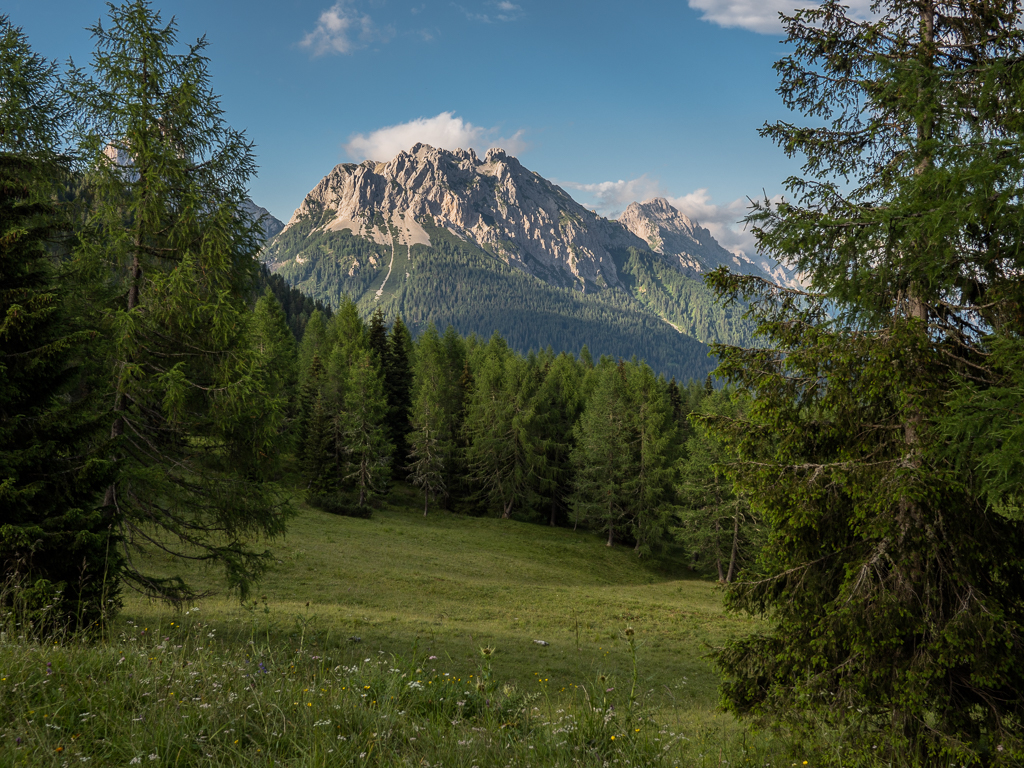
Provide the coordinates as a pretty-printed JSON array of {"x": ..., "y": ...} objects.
[
  {"x": 487, "y": 245},
  {"x": 494, "y": 203}
]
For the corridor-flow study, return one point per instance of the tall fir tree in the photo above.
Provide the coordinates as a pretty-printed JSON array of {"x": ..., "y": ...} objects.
[
  {"x": 192, "y": 423},
  {"x": 892, "y": 580},
  {"x": 558, "y": 404},
  {"x": 59, "y": 557},
  {"x": 273, "y": 342},
  {"x": 368, "y": 453},
  {"x": 654, "y": 428},
  {"x": 712, "y": 522},
  {"x": 398, "y": 387}
]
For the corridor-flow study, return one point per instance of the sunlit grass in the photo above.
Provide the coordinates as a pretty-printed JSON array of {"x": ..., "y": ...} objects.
[{"x": 364, "y": 647}]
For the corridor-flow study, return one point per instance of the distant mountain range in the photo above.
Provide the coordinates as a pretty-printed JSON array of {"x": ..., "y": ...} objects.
[{"x": 488, "y": 245}]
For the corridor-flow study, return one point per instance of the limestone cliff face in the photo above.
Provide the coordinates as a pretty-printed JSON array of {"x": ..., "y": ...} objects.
[
  {"x": 668, "y": 232},
  {"x": 512, "y": 212},
  {"x": 494, "y": 203}
]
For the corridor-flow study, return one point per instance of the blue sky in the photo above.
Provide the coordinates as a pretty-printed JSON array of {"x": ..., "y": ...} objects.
[{"x": 615, "y": 101}]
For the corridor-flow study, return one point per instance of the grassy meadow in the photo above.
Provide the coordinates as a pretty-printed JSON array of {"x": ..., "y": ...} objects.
[{"x": 395, "y": 640}]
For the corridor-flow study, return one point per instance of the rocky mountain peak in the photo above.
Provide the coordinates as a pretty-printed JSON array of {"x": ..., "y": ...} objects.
[
  {"x": 494, "y": 203},
  {"x": 507, "y": 210}
]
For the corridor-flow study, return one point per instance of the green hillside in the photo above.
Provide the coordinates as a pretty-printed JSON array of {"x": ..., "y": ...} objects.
[
  {"x": 455, "y": 283},
  {"x": 449, "y": 584},
  {"x": 395, "y": 641}
]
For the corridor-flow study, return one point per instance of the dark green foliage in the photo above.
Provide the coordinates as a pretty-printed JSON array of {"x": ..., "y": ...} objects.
[
  {"x": 558, "y": 404},
  {"x": 655, "y": 430},
  {"x": 605, "y": 469},
  {"x": 892, "y": 583},
  {"x": 275, "y": 345},
  {"x": 367, "y": 452},
  {"x": 58, "y": 553},
  {"x": 503, "y": 457},
  {"x": 398, "y": 378},
  {"x": 714, "y": 524},
  {"x": 298, "y": 307},
  {"x": 430, "y": 440}
]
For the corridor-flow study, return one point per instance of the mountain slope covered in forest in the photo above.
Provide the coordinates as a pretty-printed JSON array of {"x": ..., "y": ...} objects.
[{"x": 489, "y": 246}]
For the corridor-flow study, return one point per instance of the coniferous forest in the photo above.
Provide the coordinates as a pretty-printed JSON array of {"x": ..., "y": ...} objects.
[{"x": 854, "y": 480}]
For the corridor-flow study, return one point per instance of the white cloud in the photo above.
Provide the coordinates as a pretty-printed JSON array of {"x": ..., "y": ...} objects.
[
  {"x": 444, "y": 131},
  {"x": 610, "y": 198},
  {"x": 763, "y": 15},
  {"x": 724, "y": 222},
  {"x": 343, "y": 29}
]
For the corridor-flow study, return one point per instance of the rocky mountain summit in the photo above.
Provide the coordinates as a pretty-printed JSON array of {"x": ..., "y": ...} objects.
[
  {"x": 486, "y": 245},
  {"x": 500, "y": 206},
  {"x": 494, "y": 203}
]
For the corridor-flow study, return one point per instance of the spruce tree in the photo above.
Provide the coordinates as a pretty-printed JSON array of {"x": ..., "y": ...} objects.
[
  {"x": 558, "y": 404},
  {"x": 59, "y": 560},
  {"x": 398, "y": 385},
  {"x": 273, "y": 342},
  {"x": 892, "y": 581},
  {"x": 192, "y": 426},
  {"x": 367, "y": 451}
]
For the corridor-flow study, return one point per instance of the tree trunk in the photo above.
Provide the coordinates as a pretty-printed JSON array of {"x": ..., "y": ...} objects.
[
  {"x": 735, "y": 548},
  {"x": 426, "y": 503},
  {"x": 718, "y": 552}
]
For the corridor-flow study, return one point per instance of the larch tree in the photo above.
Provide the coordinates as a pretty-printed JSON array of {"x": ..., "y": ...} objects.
[
  {"x": 501, "y": 455},
  {"x": 604, "y": 455},
  {"x": 192, "y": 421},
  {"x": 429, "y": 441},
  {"x": 654, "y": 430},
  {"x": 893, "y": 581}
]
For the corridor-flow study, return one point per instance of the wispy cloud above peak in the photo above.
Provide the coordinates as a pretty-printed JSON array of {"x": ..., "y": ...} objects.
[
  {"x": 445, "y": 131},
  {"x": 763, "y": 15},
  {"x": 724, "y": 222},
  {"x": 610, "y": 198},
  {"x": 343, "y": 29}
]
